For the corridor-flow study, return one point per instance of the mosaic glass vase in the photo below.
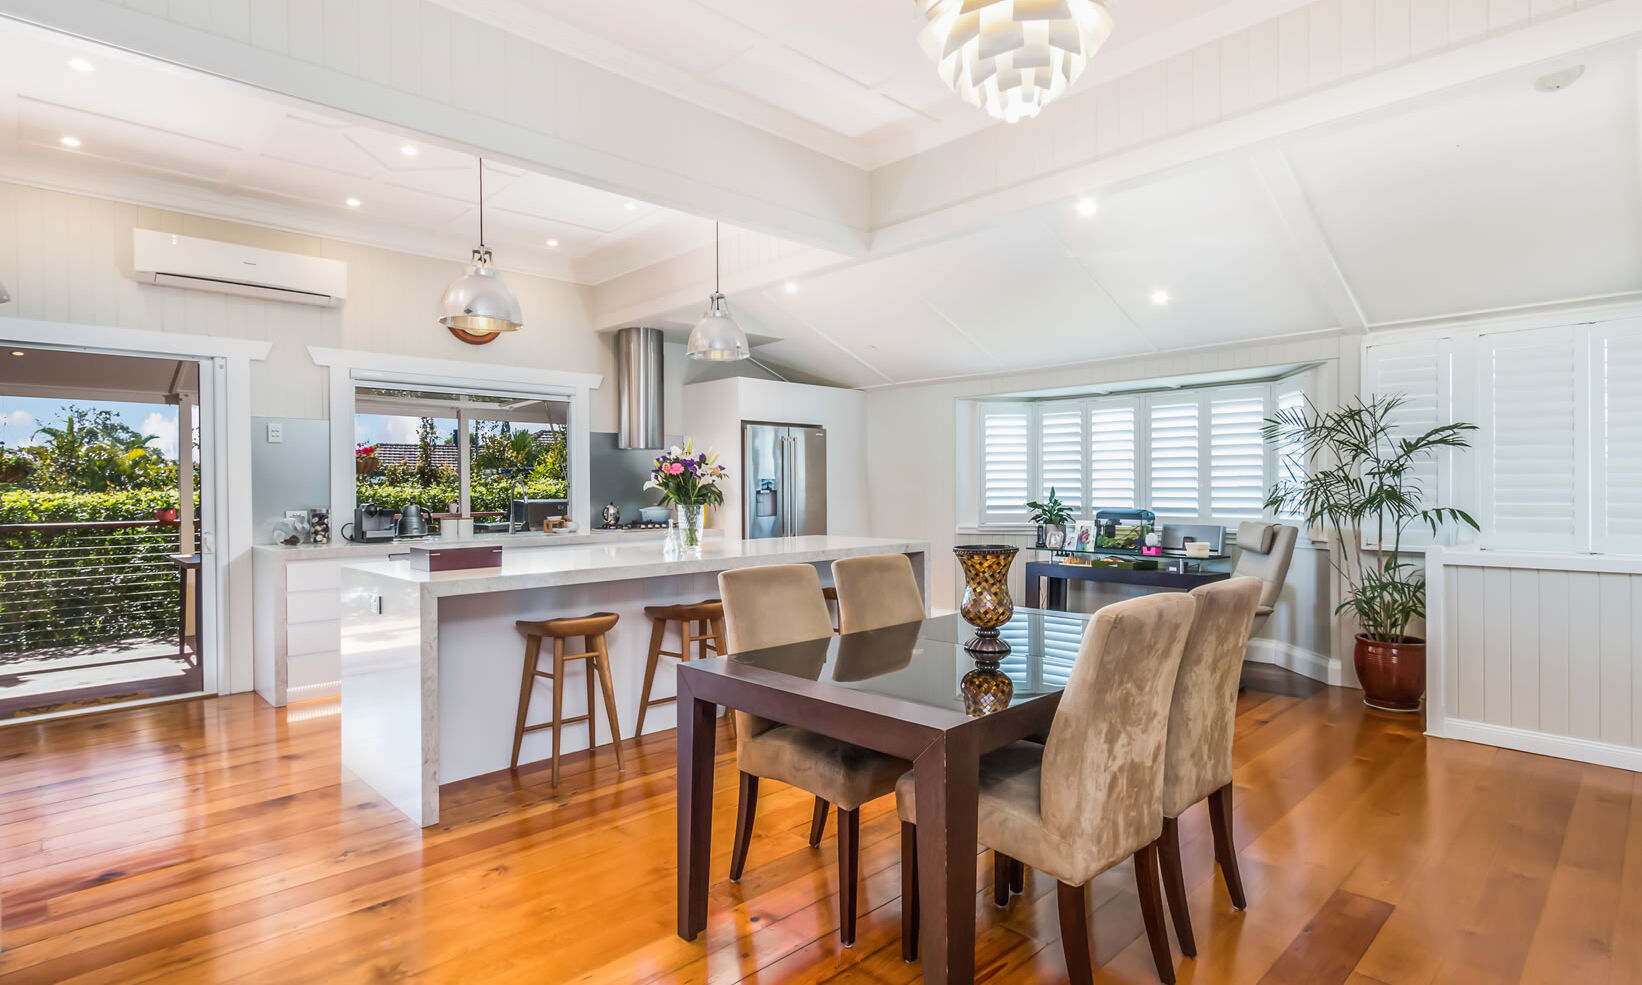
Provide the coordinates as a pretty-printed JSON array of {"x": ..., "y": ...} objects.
[{"x": 986, "y": 603}]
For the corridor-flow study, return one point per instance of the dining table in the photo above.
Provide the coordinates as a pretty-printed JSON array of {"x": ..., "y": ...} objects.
[{"x": 897, "y": 690}]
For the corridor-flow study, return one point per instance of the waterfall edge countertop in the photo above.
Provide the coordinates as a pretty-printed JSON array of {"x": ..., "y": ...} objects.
[
  {"x": 525, "y": 568},
  {"x": 431, "y": 661}
]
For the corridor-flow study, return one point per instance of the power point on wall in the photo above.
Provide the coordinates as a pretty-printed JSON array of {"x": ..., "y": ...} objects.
[{"x": 276, "y": 433}]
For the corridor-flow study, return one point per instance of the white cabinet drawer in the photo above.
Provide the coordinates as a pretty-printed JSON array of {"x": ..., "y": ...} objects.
[
  {"x": 313, "y": 637},
  {"x": 310, "y": 576},
  {"x": 301, "y": 607}
]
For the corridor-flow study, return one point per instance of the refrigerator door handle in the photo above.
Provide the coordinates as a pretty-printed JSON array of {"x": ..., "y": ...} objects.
[{"x": 786, "y": 481}]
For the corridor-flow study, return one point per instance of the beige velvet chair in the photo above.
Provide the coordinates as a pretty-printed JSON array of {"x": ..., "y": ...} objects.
[
  {"x": 774, "y": 606},
  {"x": 1264, "y": 552},
  {"x": 1197, "y": 759},
  {"x": 877, "y": 591},
  {"x": 1093, "y": 794}
]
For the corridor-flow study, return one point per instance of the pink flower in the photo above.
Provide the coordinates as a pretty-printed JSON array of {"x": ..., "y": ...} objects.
[{"x": 674, "y": 468}]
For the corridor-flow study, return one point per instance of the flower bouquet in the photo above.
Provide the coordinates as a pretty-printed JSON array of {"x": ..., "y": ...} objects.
[{"x": 690, "y": 482}]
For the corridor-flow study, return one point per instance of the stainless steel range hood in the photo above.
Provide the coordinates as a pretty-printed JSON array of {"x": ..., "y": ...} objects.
[{"x": 639, "y": 382}]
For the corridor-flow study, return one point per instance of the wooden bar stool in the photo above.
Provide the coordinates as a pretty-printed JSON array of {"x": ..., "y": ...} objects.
[
  {"x": 701, "y": 623},
  {"x": 592, "y": 629}
]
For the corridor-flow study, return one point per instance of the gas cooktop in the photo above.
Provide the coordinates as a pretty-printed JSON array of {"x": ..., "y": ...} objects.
[{"x": 637, "y": 525}]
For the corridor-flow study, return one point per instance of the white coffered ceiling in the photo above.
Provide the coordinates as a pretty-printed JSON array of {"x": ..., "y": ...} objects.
[
  {"x": 844, "y": 77},
  {"x": 153, "y": 134}
]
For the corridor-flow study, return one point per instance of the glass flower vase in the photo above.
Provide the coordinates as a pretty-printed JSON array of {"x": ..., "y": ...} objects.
[
  {"x": 986, "y": 603},
  {"x": 692, "y": 524}
]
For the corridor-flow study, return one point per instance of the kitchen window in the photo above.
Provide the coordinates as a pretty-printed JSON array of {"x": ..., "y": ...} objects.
[
  {"x": 1189, "y": 455},
  {"x": 500, "y": 457}
]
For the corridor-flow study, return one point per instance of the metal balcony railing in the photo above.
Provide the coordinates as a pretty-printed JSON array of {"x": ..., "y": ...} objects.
[{"x": 87, "y": 583}]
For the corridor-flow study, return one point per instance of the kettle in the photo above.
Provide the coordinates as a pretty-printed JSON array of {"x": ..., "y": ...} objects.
[
  {"x": 611, "y": 514},
  {"x": 412, "y": 522}
]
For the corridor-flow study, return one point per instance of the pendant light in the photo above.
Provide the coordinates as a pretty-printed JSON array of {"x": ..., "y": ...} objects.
[
  {"x": 717, "y": 337},
  {"x": 1011, "y": 57},
  {"x": 478, "y": 305}
]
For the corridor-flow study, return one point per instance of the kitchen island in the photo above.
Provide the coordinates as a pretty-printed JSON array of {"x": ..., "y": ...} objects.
[{"x": 431, "y": 661}]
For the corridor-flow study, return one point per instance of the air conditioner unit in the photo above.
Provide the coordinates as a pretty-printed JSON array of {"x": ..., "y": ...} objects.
[{"x": 170, "y": 260}]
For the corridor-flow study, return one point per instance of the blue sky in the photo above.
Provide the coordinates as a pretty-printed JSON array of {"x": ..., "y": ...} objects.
[{"x": 20, "y": 417}]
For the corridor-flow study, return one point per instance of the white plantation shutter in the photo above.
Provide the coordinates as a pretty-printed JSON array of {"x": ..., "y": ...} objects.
[
  {"x": 1237, "y": 455},
  {"x": 1112, "y": 448},
  {"x": 1618, "y": 351},
  {"x": 1532, "y": 410},
  {"x": 1413, "y": 370},
  {"x": 1060, "y": 454},
  {"x": 1005, "y": 429},
  {"x": 1175, "y": 472}
]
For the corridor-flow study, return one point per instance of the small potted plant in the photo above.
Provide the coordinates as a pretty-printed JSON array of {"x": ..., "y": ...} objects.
[
  {"x": 365, "y": 461},
  {"x": 1352, "y": 475},
  {"x": 689, "y": 481},
  {"x": 1051, "y": 516},
  {"x": 14, "y": 465}
]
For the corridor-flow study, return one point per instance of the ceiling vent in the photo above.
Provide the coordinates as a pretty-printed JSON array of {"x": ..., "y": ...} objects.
[{"x": 170, "y": 260}]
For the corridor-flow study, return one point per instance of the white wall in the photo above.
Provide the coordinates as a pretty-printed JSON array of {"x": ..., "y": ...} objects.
[
  {"x": 914, "y": 448},
  {"x": 713, "y": 413}
]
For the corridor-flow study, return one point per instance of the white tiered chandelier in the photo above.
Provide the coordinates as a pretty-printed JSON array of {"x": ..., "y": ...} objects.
[{"x": 1011, "y": 57}]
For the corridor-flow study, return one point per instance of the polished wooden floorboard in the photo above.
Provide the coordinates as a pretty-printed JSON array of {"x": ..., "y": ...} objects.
[{"x": 219, "y": 841}]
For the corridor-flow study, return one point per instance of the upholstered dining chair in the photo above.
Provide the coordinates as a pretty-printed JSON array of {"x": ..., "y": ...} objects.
[
  {"x": 1265, "y": 551},
  {"x": 774, "y": 606},
  {"x": 1093, "y": 794},
  {"x": 876, "y": 591},
  {"x": 1197, "y": 758}
]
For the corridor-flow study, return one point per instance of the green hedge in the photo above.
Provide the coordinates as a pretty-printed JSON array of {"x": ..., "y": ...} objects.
[
  {"x": 488, "y": 494},
  {"x": 85, "y": 587}
]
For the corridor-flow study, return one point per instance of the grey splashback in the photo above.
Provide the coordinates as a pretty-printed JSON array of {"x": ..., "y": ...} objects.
[
  {"x": 292, "y": 474},
  {"x": 617, "y": 476}
]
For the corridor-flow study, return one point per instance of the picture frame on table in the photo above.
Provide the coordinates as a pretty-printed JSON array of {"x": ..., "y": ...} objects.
[{"x": 1082, "y": 536}]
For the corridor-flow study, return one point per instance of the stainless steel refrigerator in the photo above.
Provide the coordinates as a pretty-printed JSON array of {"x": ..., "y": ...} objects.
[{"x": 785, "y": 466}]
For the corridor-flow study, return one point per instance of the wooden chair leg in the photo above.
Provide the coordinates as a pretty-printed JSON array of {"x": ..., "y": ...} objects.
[
  {"x": 849, "y": 874},
  {"x": 746, "y": 806},
  {"x": 558, "y": 703},
  {"x": 1001, "y": 865},
  {"x": 1017, "y": 876},
  {"x": 533, "y": 651},
  {"x": 1151, "y": 908},
  {"x": 591, "y": 664},
  {"x": 602, "y": 664},
  {"x": 1225, "y": 849},
  {"x": 818, "y": 822},
  {"x": 1074, "y": 934},
  {"x": 658, "y": 629},
  {"x": 1174, "y": 885},
  {"x": 909, "y": 891}
]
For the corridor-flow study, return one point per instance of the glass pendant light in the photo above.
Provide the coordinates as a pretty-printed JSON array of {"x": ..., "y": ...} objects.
[
  {"x": 479, "y": 304},
  {"x": 717, "y": 337}
]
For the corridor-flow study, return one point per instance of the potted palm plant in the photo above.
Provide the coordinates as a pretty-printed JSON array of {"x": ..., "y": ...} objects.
[
  {"x": 1349, "y": 474},
  {"x": 1051, "y": 516}
]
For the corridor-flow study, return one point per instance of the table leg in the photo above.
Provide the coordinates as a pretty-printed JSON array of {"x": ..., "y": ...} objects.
[
  {"x": 948, "y": 775},
  {"x": 1032, "y": 589},
  {"x": 696, "y": 721},
  {"x": 1057, "y": 594}
]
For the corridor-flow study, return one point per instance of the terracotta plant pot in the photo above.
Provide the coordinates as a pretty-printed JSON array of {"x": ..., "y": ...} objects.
[
  {"x": 1392, "y": 674},
  {"x": 166, "y": 514}
]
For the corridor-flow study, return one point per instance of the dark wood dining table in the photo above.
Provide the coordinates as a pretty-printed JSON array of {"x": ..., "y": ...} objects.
[{"x": 895, "y": 690}]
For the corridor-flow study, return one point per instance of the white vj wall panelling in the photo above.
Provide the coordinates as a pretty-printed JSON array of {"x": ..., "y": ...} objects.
[
  {"x": 68, "y": 258},
  {"x": 1540, "y": 653}
]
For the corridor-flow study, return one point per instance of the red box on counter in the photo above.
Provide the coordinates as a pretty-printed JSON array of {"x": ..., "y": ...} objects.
[{"x": 455, "y": 558}]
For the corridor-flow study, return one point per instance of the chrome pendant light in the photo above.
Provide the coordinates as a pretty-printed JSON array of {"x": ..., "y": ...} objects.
[
  {"x": 717, "y": 337},
  {"x": 478, "y": 305}
]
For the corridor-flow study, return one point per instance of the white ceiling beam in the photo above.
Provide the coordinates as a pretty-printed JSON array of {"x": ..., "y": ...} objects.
[
  {"x": 521, "y": 102},
  {"x": 1311, "y": 248}
]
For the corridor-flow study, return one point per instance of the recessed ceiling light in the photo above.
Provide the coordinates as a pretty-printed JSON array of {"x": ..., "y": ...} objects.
[
  {"x": 792, "y": 287},
  {"x": 70, "y": 141},
  {"x": 17, "y": 352},
  {"x": 353, "y": 203},
  {"x": 553, "y": 243},
  {"x": 1557, "y": 81},
  {"x": 1160, "y": 297},
  {"x": 409, "y": 150},
  {"x": 81, "y": 65},
  {"x": 1086, "y": 206},
  {"x": 631, "y": 206}
]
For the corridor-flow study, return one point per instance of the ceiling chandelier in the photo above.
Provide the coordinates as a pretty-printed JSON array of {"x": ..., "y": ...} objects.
[
  {"x": 717, "y": 337},
  {"x": 478, "y": 305},
  {"x": 1011, "y": 57}
]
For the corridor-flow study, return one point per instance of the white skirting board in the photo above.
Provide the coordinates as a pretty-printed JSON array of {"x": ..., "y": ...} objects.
[
  {"x": 1559, "y": 746},
  {"x": 1306, "y": 663}
]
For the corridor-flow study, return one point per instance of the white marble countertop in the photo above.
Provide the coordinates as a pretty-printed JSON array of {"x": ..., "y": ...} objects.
[
  {"x": 348, "y": 548},
  {"x": 527, "y": 568}
]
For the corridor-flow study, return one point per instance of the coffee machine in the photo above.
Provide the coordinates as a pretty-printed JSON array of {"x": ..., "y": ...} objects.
[{"x": 373, "y": 523}]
